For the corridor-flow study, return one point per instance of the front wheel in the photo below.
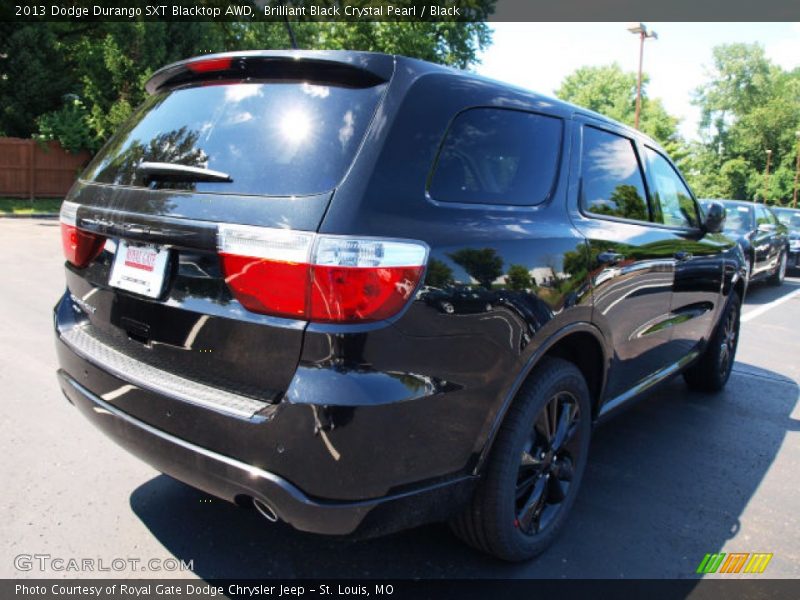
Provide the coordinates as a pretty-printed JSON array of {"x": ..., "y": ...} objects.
[
  {"x": 535, "y": 467},
  {"x": 711, "y": 372}
]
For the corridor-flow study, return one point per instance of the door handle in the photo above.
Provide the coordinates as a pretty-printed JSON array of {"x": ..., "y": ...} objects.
[
  {"x": 683, "y": 255},
  {"x": 610, "y": 258}
]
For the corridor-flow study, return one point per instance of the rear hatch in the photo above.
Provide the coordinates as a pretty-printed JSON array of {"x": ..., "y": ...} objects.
[{"x": 256, "y": 139}]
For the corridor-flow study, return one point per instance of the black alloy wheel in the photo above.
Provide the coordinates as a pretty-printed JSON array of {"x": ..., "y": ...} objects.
[
  {"x": 547, "y": 464},
  {"x": 532, "y": 474}
]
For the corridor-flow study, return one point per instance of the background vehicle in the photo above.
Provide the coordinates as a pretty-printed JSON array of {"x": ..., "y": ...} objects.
[
  {"x": 790, "y": 217},
  {"x": 764, "y": 239},
  {"x": 459, "y": 298},
  {"x": 250, "y": 263}
]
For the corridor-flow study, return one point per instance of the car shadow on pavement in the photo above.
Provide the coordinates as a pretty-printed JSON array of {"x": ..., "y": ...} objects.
[{"x": 666, "y": 483}]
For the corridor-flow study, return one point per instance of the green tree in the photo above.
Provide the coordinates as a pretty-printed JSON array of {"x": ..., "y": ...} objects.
[
  {"x": 45, "y": 66},
  {"x": 452, "y": 44},
  {"x": 738, "y": 81},
  {"x": 438, "y": 274},
  {"x": 611, "y": 91},
  {"x": 482, "y": 264},
  {"x": 519, "y": 278},
  {"x": 34, "y": 77},
  {"x": 69, "y": 125},
  {"x": 748, "y": 105}
]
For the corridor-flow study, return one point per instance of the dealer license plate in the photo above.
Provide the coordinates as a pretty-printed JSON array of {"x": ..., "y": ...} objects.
[{"x": 139, "y": 268}]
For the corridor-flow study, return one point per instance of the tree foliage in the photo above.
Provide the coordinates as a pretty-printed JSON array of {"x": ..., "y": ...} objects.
[
  {"x": 612, "y": 92},
  {"x": 482, "y": 264},
  {"x": 749, "y": 105},
  {"x": 438, "y": 274},
  {"x": 79, "y": 82},
  {"x": 519, "y": 278}
]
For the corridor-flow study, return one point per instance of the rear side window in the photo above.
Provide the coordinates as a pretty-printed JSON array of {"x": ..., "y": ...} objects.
[
  {"x": 274, "y": 138},
  {"x": 674, "y": 203},
  {"x": 498, "y": 156},
  {"x": 611, "y": 179}
]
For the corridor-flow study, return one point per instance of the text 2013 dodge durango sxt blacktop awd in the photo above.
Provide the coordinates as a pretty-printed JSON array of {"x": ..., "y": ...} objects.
[{"x": 363, "y": 292}]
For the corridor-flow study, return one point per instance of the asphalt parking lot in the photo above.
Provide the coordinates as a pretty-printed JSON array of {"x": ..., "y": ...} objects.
[{"x": 677, "y": 476}]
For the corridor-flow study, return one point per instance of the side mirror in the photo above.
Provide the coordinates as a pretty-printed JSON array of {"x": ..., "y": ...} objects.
[
  {"x": 715, "y": 218},
  {"x": 766, "y": 227}
]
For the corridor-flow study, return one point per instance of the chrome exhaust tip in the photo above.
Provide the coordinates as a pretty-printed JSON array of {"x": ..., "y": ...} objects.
[{"x": 266, "y": 510}]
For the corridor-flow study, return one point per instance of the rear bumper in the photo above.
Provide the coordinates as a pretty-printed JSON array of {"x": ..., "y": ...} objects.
[{"x": 233, "y": 480}]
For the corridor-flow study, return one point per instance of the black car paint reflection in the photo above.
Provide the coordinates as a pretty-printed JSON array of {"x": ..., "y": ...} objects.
[{"x": 454, "y": 299}]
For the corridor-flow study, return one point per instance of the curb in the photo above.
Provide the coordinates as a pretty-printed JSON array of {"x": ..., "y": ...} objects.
[{"x": 29, "y": 216}]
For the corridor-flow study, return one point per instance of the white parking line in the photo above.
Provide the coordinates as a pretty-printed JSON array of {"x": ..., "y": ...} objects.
[{"x": 757, "y": 312}]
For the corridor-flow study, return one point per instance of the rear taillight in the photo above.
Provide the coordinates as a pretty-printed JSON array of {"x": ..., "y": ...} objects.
[
  {"x": 80, "y": 247},
  {"x": 267, "y": 269},
  {"x": 318, "y": 277}
]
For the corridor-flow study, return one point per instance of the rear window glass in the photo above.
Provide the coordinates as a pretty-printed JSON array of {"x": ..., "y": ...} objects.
[
  {"x": 270, "y": 138},
  {"x": 497, "y": 156}
]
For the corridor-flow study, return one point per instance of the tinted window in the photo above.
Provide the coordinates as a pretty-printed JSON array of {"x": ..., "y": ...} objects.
[
  {"x": 675, "y": 206},
  {"x": 784, "y": 216},
  {"x": 738, "y": 219},
  {"x": 611, "y": 180},
  {"x": 495, "y": 156},
  {"x": 271, "y": 138},
  {"x": 790, "y": 218}
]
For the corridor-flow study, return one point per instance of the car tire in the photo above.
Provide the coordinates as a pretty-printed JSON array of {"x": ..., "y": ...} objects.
[
  {"x": 713, "y": 369},
  {"x": 780, "y": 271},
  {"x": 498, "y": 520}
]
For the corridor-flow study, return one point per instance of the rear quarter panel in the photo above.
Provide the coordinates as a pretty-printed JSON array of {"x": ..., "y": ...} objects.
[{"x": 475, "y": 352}]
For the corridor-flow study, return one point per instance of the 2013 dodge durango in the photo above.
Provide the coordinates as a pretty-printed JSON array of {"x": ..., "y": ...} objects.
[{"x": 362, "y": 292}]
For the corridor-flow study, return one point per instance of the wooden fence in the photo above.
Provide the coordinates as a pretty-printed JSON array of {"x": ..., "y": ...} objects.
[{"x": 30, "y": 169}]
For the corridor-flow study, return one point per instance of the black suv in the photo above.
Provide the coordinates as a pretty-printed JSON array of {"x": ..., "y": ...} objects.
[{"x": 362, "y": 292}]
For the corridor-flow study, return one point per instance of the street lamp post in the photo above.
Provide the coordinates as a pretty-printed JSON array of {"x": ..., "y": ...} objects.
[
  {"x": 641, "y": 30},
  {"x": 766, "y": 176},
  {"x": 796, "y": 170}
]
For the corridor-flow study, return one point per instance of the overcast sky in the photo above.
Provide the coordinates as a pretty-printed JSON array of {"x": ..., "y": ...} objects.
[{"x": 538, "y": 56}]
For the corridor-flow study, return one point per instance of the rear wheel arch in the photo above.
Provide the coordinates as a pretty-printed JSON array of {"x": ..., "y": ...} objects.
[
  {"x": 583, "y": 345},
  {"x": 586, "y": 352}
]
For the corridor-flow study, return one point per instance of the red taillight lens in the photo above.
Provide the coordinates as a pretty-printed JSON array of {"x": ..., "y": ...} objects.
[
  {"x": 320, "y": 278},
  {"x": 351, "y": 294},
  {"x": 80, "y": 247},
  {"x": 208, "y": 65},
  {"x": 267, "y": 286}
]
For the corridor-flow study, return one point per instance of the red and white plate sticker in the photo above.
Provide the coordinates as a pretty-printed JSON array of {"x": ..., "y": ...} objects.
[{"x": 139, "y": 268}]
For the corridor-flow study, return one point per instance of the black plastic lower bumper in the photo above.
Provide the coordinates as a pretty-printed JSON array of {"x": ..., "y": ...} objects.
[{"x": 232, "y": 480}]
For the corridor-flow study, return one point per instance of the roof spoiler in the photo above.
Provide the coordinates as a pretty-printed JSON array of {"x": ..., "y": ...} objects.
[{"x": 352, "y": 69}]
